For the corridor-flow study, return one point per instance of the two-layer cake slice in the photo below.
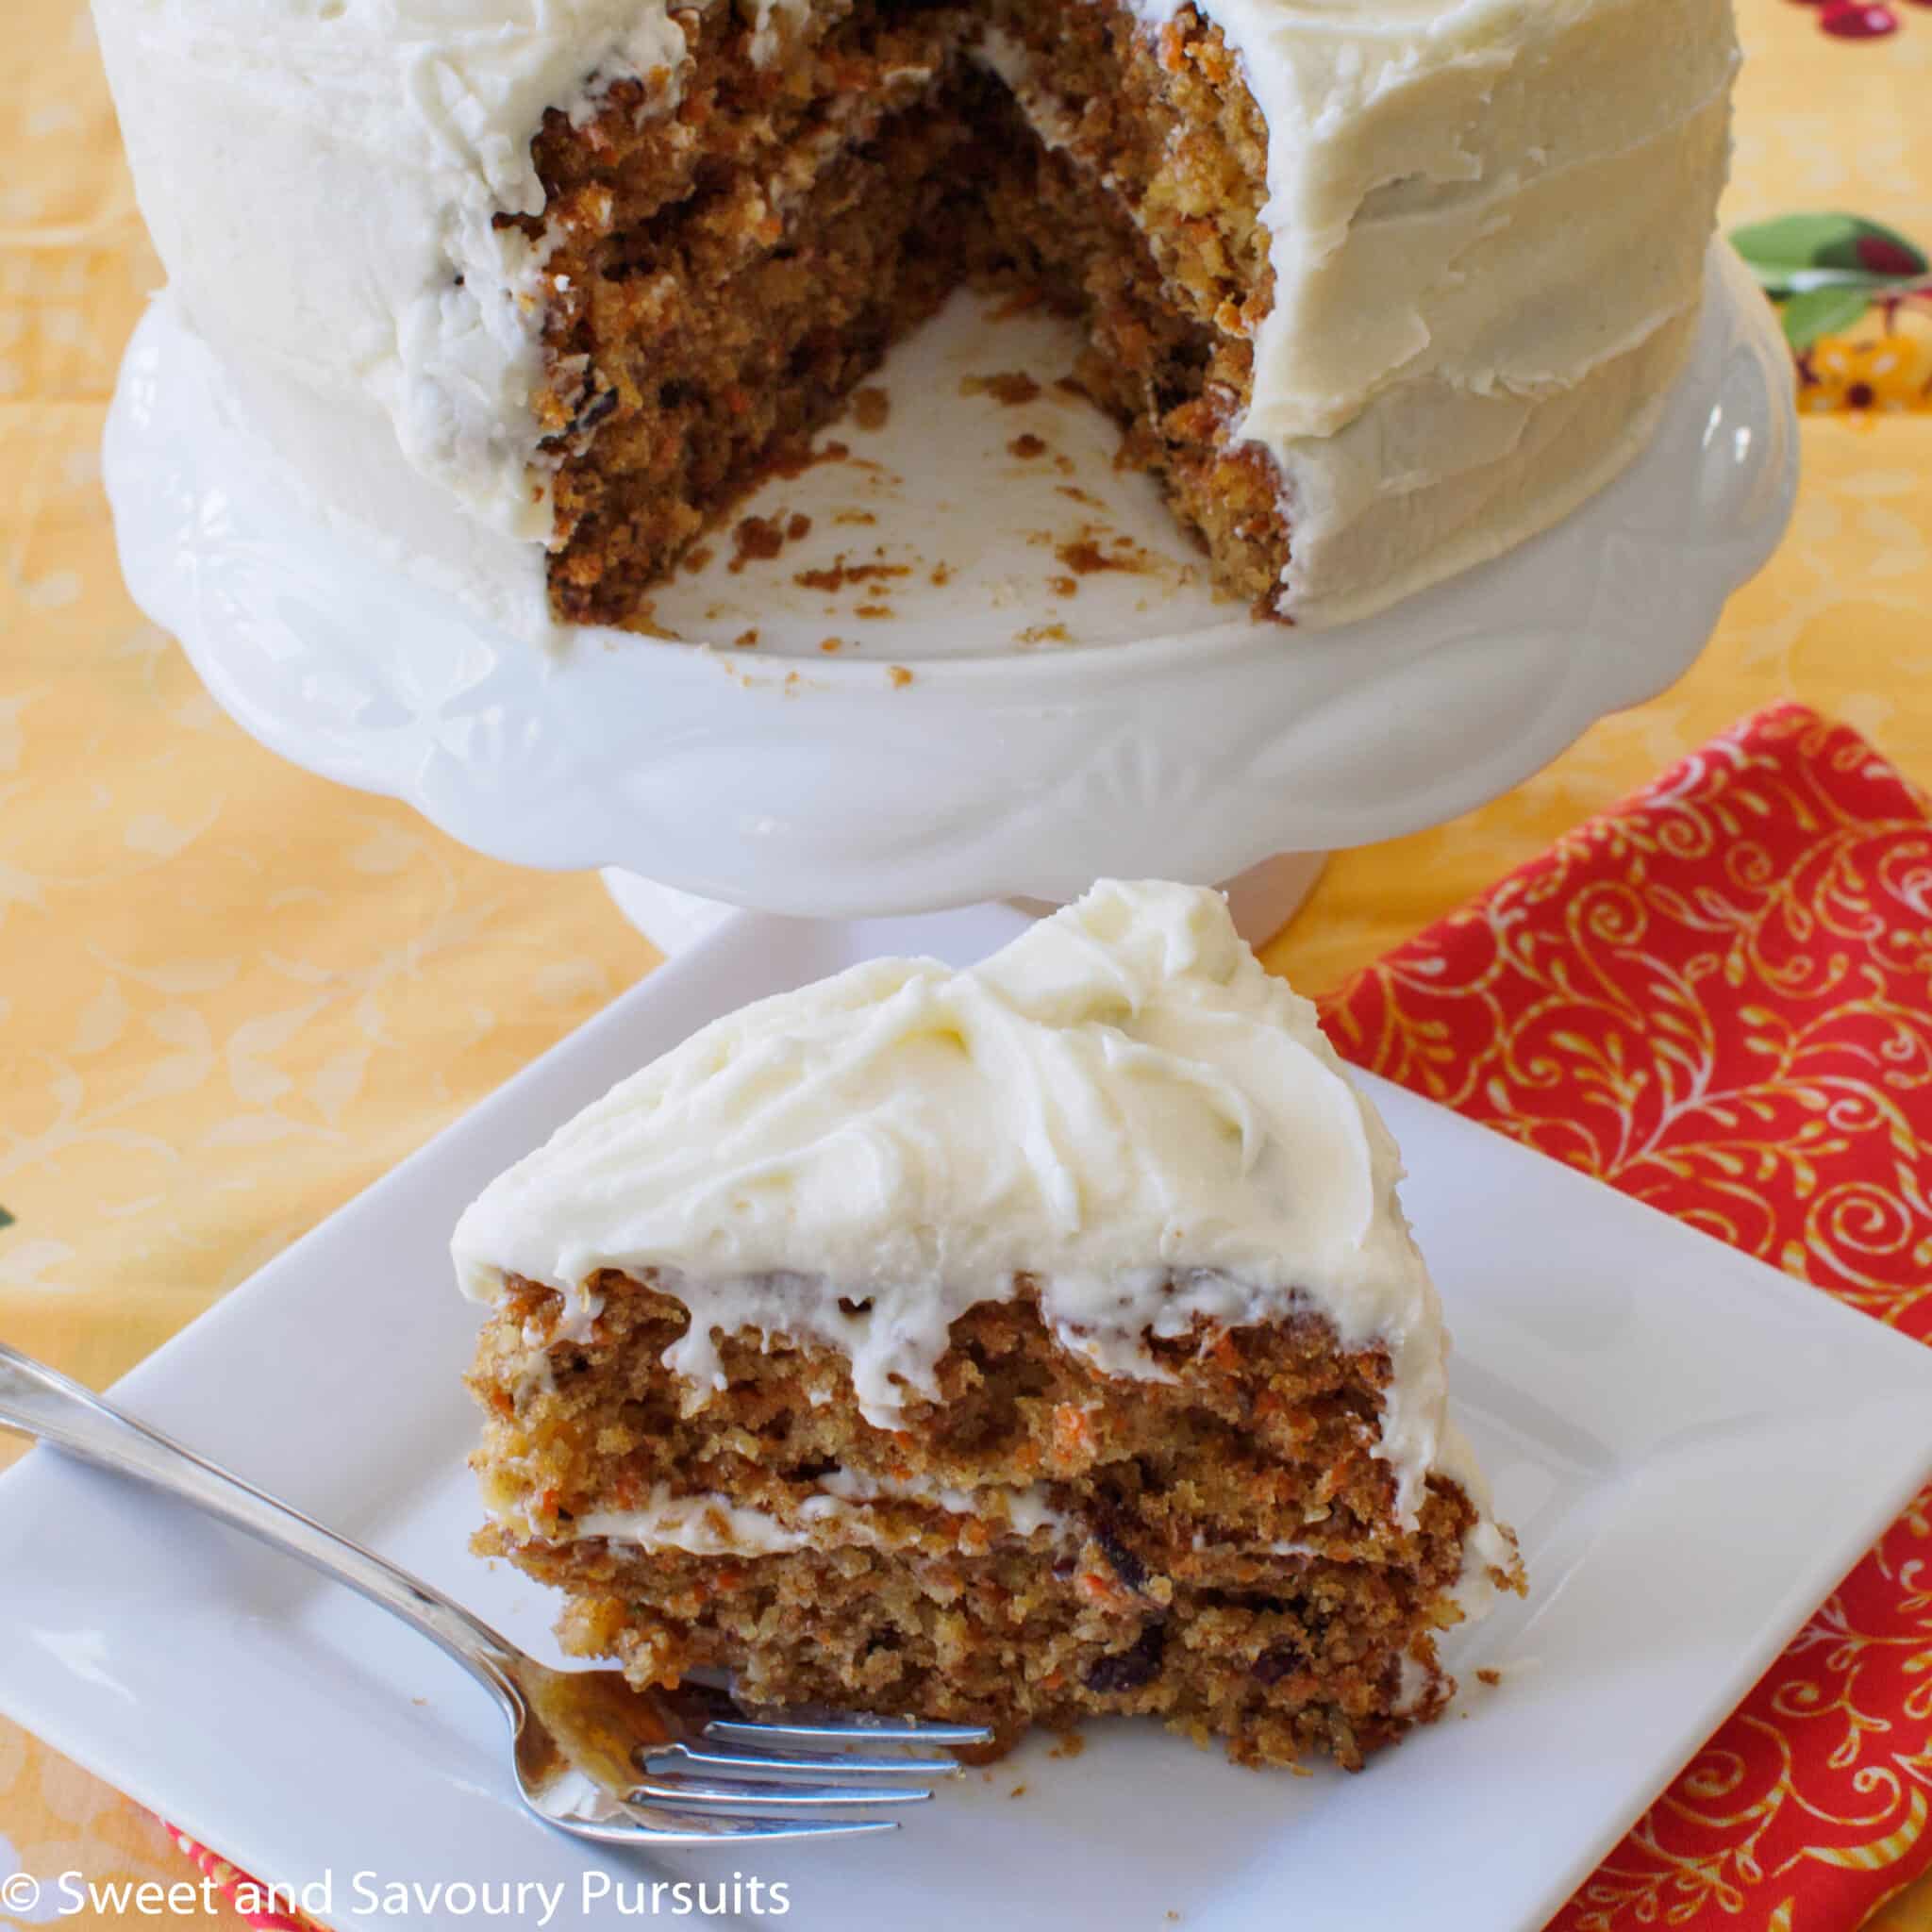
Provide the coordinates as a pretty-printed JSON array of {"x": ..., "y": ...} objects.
[{"x": 1015, "y": 1343}]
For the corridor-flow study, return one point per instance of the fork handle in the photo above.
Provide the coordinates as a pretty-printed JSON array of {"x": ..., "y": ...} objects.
[{"x": 46, "y": 1404}]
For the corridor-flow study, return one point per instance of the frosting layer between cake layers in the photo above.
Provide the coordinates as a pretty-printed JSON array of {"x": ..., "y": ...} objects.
[
  {"x": 1121, "y": 1108},
  {"x": 1486, "y": 225}
]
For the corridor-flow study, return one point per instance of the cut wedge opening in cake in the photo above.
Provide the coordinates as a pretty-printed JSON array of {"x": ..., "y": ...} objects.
[
  {"x": 1012, "y": 1345},
  {"x": 738, "y": 221},
  {"x": 732, "y": 245}
]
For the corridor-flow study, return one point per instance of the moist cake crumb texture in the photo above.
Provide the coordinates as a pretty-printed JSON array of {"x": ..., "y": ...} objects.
[
  {"x": 724, "y": 271},
  {"x": 1015, "y": 1345}
]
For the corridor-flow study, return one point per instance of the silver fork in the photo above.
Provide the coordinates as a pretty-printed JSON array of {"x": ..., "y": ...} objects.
[{"x": 593, "y": 1755}]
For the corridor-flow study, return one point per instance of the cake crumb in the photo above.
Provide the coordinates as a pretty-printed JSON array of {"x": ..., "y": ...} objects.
[
  {"x": 1062, "y": 587},
  {"x": 837, "y": 573},
  {"x": 855, "y": 516},
  {"x": 747, "y": 639},
  {"x": 898, "y": 676},
  {"x": 697, "y": 559},
  {"x": 871, "y": 407},
  {"x": 1084, "y": 557},
  {"x": 1068, "y": 1744},
  {"x": 1044, "y": 634},
  {"x": 1488, "y": 1676},
  {"x": 873, "y": 610},
  {"x": 756, "y": 540},
  {"x": 831, "y": 644},
  {"x": 795, "y": 462},
  {"x": 1018, "y": 1792},
  {"x": 1011, "y": 386},
  {"x": 1028, "y": 446},
  {"x": 941, "y": 573}
]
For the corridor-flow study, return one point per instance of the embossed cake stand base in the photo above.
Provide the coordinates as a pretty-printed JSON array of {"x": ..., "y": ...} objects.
[{"x": 971, "y": 720}]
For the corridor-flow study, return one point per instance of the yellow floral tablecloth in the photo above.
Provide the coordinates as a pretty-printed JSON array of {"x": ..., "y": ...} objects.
[{"x": 231, "y": 995}]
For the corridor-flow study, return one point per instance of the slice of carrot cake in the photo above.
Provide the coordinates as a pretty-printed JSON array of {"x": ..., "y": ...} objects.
[{"x": 1012, "y": 1344}]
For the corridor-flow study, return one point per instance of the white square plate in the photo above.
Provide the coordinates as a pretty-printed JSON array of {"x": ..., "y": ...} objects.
[{"x": 1693, "y": 1448}]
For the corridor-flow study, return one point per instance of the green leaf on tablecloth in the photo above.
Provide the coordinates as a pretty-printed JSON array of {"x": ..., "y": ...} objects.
[
  {"x": 1821, "y": 312},
  {"x": 6, "y": 1219},
  {"x": 1798, "y": 255}
]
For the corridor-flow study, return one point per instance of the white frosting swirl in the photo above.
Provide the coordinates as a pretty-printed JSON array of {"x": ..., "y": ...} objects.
[{"x": 1121, "y": 1104}]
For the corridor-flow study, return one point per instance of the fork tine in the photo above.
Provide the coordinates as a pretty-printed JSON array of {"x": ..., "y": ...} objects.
[
  {"x": 646, "y": 1828},
  {"x": 765, "y": 1793},
  {"x": 845, "y": 1730},
  {"x": 835, "y": 1764}
]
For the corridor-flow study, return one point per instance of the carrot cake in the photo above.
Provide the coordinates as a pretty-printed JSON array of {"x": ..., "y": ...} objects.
[
  {"x": 1375, "y": 288},
  {"x": 1015, "y": 1345}
]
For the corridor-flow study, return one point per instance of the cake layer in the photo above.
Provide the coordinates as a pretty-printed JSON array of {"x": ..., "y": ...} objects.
[
  {"x": 1256, "y": 1439},
  {"x": 1307, "y": 1661}
]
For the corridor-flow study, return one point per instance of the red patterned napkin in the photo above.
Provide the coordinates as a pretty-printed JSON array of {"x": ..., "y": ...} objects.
[{"x": 1718, "y": 997}]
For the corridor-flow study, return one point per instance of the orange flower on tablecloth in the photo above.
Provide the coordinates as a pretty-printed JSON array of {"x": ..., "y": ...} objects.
[
  {"x": 1719, "y": 998},
  {"x": 1887, "y": 375}
]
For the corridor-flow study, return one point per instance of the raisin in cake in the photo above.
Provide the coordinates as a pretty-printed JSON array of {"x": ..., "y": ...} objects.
[
  {"x": 1014, "y": 1344},
  {"x": 1375, "y": 288}
]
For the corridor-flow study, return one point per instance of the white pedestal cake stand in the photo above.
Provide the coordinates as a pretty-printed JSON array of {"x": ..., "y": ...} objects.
[{"x": 946, "y": 700}]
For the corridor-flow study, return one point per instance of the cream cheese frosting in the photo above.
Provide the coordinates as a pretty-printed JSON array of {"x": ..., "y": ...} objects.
[
  {"x": 711, "y": 1525},
  {"x": 320, "y": 178},
  {"x": 1122, "y": 1108},
  {"x": 1486, "y": 223}
]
